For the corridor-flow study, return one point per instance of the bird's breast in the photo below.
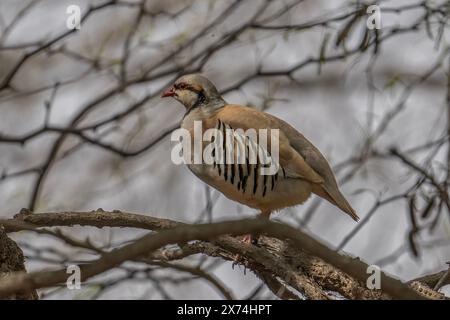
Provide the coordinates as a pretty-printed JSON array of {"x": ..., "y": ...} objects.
[{"x": 237, "y": 166}]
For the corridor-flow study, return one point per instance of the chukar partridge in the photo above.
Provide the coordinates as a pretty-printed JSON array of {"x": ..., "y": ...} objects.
[{"x": 302, "y": 169}]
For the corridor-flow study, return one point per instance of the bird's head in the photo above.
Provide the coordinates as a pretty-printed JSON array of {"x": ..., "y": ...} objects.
[{"x": 194, "y": 90}]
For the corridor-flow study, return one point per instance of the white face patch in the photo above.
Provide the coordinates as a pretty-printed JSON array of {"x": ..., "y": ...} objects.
[
  {"x": 186, "y": 97},
  {"x": 189, "y": 95}
]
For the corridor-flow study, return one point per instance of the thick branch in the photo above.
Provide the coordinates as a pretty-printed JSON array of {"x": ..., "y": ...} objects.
[{"x": 176, "y": 232}]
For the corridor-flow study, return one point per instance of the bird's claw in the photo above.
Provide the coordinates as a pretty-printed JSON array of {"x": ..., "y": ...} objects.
[
  {"x": 237, "y": 260},
  {"x": 249, "y": 239}
]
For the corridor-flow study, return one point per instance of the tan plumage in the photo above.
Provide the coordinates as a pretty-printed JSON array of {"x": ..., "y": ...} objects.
[{"x": 303, "y": 169}]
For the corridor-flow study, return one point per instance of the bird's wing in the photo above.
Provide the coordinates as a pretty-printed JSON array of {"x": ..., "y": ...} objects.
[
  {"x": 329, "y": 189},
  {"x": 294, "y": 164},
  {"x": 298, "y": 156}
]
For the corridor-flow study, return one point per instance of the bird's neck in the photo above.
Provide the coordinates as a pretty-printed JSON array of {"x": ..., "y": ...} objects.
[
  {"x": 202, "y": 112},
  {"x": 205, "y": 108}
]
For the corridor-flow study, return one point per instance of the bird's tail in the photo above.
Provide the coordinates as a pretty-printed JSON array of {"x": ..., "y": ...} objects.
[{"x": 334, "y": 196}]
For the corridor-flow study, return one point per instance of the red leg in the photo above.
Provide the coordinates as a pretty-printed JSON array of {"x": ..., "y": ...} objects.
[{"x": 249, "y": 238}]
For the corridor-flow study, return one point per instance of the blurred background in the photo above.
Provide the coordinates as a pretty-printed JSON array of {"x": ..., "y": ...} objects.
[{"x": 82, "y": 124}]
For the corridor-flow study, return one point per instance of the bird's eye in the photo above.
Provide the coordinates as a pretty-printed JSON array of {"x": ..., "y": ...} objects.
[{"x": 181, "y": 86}]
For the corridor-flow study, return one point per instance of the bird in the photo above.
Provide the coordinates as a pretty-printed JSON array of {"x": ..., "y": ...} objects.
[{"x": 302, "y": 169}]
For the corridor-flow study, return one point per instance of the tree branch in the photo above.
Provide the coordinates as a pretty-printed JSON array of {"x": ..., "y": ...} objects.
[{"x": 302, "y": 262}]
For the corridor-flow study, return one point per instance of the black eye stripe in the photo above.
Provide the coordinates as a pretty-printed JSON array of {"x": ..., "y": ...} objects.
[{"x": 184, "y": 86}]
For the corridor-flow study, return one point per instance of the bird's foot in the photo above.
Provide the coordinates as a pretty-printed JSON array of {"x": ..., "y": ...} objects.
[
  {"x": 248, "y": 239},
  {"x": 237, "y": 260}
]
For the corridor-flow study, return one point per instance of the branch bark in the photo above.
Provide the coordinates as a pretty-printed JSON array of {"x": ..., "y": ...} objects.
[
  {"x": 12, "y": 262},
  {"x": 296, "y": 259}
]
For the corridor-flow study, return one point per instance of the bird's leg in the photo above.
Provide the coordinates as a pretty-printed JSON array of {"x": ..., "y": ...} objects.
[
  {"x": 264, "y": 214},
  {"x": 249, "y": 238}
]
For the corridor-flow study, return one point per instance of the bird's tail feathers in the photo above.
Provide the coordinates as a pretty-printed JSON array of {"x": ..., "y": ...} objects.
[{"x": 334, "y": 196}]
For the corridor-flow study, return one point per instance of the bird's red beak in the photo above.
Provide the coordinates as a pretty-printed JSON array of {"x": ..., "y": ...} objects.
[{"x": 170, "y": 92}]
